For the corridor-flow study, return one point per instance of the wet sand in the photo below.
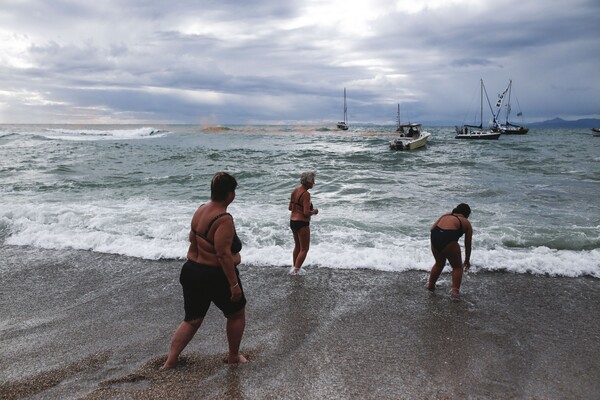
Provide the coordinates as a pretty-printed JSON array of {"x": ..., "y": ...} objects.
[{"x": 86, "y": 325}]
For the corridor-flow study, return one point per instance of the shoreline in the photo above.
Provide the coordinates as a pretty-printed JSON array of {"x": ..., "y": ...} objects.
[{"x": 78, "y": 324}]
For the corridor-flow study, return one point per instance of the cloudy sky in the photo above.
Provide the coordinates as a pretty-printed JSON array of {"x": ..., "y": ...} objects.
[{"x": 288, "y": 61}]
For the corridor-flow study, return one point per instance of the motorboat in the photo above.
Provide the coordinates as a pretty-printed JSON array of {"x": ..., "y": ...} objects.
[{"x": 410, "y": 136}]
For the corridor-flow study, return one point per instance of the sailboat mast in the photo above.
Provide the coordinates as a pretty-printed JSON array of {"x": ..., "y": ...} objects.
[
  {"x": 508, "y": 103},
  {"x": 481, "y": 107},
  {"x": 345, "y": 108}
]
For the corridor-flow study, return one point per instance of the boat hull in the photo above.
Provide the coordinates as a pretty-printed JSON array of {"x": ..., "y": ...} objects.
[
  {"x": 478, "y": 135},
  {"x": 342, "y": 126},
  {"x": 410, "y": 144},
  {"x": 471, "y": 132},
  {"x": 521, "y": 130}
]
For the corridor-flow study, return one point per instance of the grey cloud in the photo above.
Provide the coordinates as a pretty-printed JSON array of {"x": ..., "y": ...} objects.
[{"x": 131, "y": 58}]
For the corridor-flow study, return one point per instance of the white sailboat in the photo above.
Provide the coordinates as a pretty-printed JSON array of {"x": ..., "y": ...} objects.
[
  {"x": 343, "y": 125},
  {"x": 477, "y": 131},
  {"x": 508, "y": 128},
  {"x": 411, "y": 136}
]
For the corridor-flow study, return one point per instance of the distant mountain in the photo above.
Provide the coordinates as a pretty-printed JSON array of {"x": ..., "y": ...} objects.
[{"x": 561, "y": 123}]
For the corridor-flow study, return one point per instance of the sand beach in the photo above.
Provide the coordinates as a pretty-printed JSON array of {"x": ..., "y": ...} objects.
[{"x": 86, "y": 325}]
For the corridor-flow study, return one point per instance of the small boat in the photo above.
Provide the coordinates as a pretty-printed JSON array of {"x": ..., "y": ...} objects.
[
  {"x": 477, "y": 132},
  {"x": 343, "y": 125},
  {"x": 509, "y": 128},
  {"x": 596, "y": 131},
  {"x": 410, "y": 136}
]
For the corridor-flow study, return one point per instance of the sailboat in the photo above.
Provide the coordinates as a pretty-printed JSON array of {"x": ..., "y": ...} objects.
[
  {"x": 411, "y": 136},
  {"x": 477, "y": 131},
  {"x": 509, "y": 128},
  {"x": 343, "y": 125}
]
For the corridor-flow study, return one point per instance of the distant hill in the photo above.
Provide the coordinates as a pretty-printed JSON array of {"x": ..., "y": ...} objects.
[{"x": 561, "y": 123}]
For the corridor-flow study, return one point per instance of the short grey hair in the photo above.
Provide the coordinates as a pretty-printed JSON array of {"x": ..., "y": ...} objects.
[{"x": 307, "y": 177}]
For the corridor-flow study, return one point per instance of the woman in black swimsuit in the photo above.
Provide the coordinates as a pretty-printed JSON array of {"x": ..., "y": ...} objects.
[
  {"x": 302, "y": 209},
  {"x": 445, "y": 233},
  {"x": 210, "y": 274}
]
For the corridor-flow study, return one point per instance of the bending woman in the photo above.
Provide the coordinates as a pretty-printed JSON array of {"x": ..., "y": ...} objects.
[
  {"x": 210, "y": 273},
  {"x": 445, "y": 233},
  {"x": 302, "y": 209}
]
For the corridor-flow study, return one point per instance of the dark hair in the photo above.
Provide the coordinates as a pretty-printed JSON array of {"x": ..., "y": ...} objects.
[
  {"x": 221, "y": 184},
  {"x": 463, "y": 209}
]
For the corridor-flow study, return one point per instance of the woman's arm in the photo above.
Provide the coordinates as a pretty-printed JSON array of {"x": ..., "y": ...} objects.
[
  {"x": 223, "y": 239},
  {"x": 306, "y": 206},
  {"x": 468, "y": 243}
]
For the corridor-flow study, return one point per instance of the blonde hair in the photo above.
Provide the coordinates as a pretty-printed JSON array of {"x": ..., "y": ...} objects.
[{"x": 307, "y": 177}]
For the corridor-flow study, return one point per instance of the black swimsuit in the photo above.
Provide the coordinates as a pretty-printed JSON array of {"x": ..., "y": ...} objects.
[
  {"x": 236, "y": 244},
  {"x": 440, "y": 238},
  {"x": 295, "y": 226},
  {"x": 300, "y": 204}
]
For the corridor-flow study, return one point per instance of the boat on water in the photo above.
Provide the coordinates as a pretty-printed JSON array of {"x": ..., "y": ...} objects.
[
  {"x": 411, "y": 136},
  {"x": 343, "y": 125},
  {"x": 508, "y": 128},
  {"x": 596, "y": 131},
  {"x": 477, "y": 132}
]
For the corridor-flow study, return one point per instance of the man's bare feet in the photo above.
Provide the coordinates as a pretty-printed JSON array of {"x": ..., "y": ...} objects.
[
  {"x": 431, "y": 287},
  {"x": 454, "y": 293}
]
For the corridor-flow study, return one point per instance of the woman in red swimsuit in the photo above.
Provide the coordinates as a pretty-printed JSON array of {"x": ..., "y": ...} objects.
[
  {"x": 445, "y": 233},
  {"x": 302, "y": 209}
]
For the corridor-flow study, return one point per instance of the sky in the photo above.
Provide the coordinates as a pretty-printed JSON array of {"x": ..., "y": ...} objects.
[{"x": 219, "y": 62}]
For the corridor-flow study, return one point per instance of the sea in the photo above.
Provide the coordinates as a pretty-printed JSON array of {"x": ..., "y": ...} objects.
[{"x": 131, "y": 190}]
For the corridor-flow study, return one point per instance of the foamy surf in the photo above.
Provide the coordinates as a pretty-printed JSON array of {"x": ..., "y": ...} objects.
[
  {"x": 159, "y": 230},
  {"x": 534, "y": 208},
  {"x": 103, "y": 134}
]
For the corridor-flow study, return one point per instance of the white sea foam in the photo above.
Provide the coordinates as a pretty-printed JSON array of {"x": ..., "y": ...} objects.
[
  {"x": 102, "y": 134},
  {"x": 131, "y": 228},
  {"x": 154, "y": 230},
  {"x": 376, "y": 206}
]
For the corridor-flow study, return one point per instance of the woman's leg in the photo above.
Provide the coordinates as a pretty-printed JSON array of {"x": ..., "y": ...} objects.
[
  {"x": 304, "y": 242},
  {"x": 183, "y": 334},
  {"x": 296, "y": 247},
  {"x": 453, "y": 254},
  {"x": 236, "y": 324},
  {"x": 436, "y": 269}
]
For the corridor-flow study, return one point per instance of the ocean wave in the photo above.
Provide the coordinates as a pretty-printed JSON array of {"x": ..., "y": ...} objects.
[
  {"x": 136, "y": 198},
  {"x": 7, "y": 134},
  {"x": 102, "y": 134},
  {"x": 145, "y": 229}
]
